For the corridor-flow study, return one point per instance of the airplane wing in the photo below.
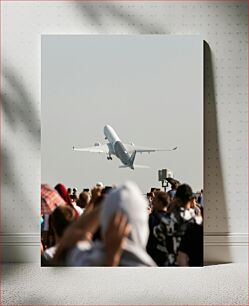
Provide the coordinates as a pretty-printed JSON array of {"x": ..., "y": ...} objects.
[
  {"x": 95, "y": 149},
  {"x": 139, "y": 149}
]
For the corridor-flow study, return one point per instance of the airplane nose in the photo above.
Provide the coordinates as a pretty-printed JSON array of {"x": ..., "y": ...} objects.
[{"x": 107, "y": 129}]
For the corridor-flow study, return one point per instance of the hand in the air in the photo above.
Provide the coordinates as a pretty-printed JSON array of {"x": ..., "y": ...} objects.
[{"x": 118, "y": 229}]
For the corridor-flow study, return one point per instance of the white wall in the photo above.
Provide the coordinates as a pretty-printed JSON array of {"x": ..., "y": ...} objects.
[{"x": 224, "y": 27}]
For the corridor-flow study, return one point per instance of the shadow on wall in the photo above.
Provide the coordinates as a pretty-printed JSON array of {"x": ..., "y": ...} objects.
[
  {"x": 213, "y": 176},
  {"x": 94, "y": 14},
  {"x": 14, "y": 197},
  {"x": 18, "y": 107},
  {"x": 20, "y": 117}
]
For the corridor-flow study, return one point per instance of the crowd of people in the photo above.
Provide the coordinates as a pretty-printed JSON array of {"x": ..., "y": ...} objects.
[{"x": 119, "y": 226}]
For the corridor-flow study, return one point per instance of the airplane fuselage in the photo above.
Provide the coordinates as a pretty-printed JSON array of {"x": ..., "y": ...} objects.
[{"x": 116, "y": 147}]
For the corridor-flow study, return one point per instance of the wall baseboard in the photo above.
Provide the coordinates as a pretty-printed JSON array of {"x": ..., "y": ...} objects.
[
  {"x": 20, "y": 247},
  {"x": 225, "y": 247},
  {"x": 218, "y": 247}
]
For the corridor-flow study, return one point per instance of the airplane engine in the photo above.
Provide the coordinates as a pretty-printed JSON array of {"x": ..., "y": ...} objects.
[{"x": 97, "y": 144}]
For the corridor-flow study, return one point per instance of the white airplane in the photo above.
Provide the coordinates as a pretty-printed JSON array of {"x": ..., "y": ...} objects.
[{"x": 125, "y": 152}]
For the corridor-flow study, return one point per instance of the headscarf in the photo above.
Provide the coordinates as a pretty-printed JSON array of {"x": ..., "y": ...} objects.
[
  {"x": 62, "y": 190},
  {"x": 129, "y": 200}
]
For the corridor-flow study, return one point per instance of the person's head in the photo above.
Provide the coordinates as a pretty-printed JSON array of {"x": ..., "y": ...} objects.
[
  {"x": 127, "y": 199},
  {"x": 100, "y": 184},
  {"x": 160, "y": 200},
  {"x": 61, "y": 218},
  {"x": 62, "y": 190},
  {"x": 174, "y": 186},
  {"x": 69, "y": 191},
  {"x": 106, "y": 190},
  {"x": 193, "y": 202},
  {"x": 74, "y": 195},
  {"x": 150, "y": 196},
  {"x": 84, "y": 199},
  {"x": 184, "y": 196}
]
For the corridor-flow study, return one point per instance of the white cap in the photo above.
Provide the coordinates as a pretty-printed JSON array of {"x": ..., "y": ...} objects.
[{"x": 100, "y": 184}]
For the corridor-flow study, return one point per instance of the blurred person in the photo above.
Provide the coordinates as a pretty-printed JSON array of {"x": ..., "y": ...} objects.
[
  {"x": 124, "y": 228},
  {"x": 62, "y": 190},
  {"x": 50, "y": 199},
  {"x": 96, "y": 193},
  {"x": 60, "y": 219},
  {"x": 172, "y": 191},
  {"x": 79, "y": 210},
  {"x": 160, "y": 201},
  {"x": 200, "y": 199},
  {"x": 45, "y": 233},
  {"x": 181, "y": 215},
  {"x": 74, "y": 196},
  {"x": 185, "y": 204},
  {"x": 100, "y": 184},
  {"x": 82, "y": 231},
  {"x": 98, "y": 201},
  {"x": 74, "y": 201},
  {"x": 195, "y": 206},
  {"x": 157, "y": 244},
  {"x": 150, "y": 197},
  {"x": 106, "y": 190},
  {"x": 190, "y": 252},
  {"x": 83, "y": 200},
  {"x": 69, "y": 191}
]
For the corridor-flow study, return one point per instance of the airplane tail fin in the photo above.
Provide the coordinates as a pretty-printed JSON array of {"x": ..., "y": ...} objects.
[{"x": 133, "y": 155}]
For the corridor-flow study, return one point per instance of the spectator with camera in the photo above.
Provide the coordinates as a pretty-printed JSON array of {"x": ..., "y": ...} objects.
[{"x": 182, "y": 215}]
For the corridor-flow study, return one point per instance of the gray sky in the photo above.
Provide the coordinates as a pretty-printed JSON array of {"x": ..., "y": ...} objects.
[{"x": 149, "y": 88}]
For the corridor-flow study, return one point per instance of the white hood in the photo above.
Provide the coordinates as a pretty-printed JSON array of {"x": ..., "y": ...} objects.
[{"x": 129, "y": 200}]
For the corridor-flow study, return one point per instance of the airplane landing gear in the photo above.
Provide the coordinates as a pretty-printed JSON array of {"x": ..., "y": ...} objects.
[{"x": 109, "y": 157}]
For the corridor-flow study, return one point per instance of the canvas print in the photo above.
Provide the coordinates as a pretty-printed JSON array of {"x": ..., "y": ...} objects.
[{"x": 122, "y": 150}]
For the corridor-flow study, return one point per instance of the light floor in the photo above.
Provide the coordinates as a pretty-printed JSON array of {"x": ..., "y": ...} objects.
[{"x": 28, "y": 284}]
